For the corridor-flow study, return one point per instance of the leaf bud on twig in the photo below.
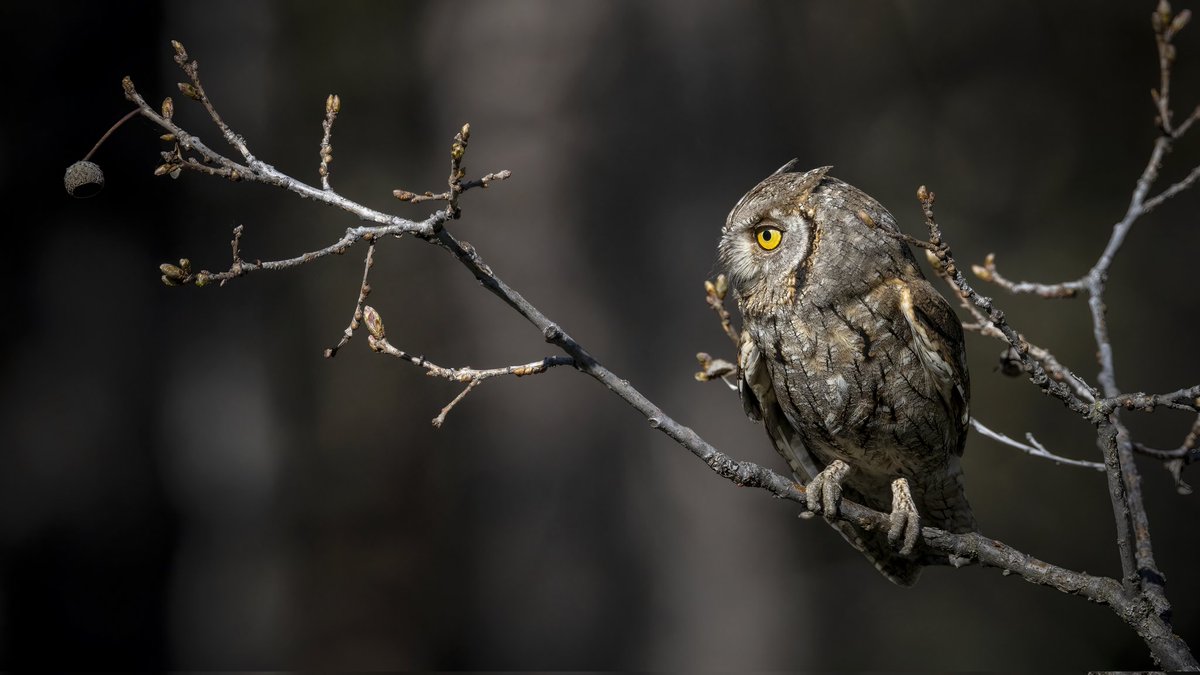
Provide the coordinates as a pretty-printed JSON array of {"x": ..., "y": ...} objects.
[
  {"x": 722, "y": 286},
  {"x": 982, "y": 272},
  {"x": 373, "y": 322},
  {"x": 189, "y": 91},
  {"x": 1181, "y": 20},
  {"x": 171, "y": 272}
]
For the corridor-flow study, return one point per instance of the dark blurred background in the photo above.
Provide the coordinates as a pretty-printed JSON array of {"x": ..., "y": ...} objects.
[{"x": 185, "y": 482}]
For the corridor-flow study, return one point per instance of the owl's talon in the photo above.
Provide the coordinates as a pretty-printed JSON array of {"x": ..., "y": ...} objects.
[
  {"x": 824, "y": 492},
  {"x": 905, "y": 525}
]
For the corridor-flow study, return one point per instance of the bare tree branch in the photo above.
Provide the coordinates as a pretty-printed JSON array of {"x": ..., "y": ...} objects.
[
  {"x": 1033, "y": 447},
  {"x": 1137, "y": 598}
]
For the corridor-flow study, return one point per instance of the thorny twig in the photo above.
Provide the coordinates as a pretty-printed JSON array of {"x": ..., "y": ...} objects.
[{"x": 1142, "y": 611}]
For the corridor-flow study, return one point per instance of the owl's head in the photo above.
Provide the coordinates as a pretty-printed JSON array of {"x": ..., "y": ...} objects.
[{"x": 807, "y": 234}]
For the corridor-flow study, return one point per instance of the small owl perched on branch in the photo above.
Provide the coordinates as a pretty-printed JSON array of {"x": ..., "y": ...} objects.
[{"x": 851, "y": 359}]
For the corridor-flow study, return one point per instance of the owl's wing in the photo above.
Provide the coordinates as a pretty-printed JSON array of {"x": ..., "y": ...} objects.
[
  {"x": 937, "y": 337},
  {"x": 938, "y": 340},
  {"x": 758, "y": 398}
]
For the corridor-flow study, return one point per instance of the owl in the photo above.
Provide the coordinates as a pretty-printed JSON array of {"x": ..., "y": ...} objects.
[{"x": 852, "y": 361}]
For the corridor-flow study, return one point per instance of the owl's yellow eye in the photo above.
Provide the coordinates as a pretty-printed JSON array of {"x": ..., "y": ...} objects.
[{"x": 768, "y": 237}]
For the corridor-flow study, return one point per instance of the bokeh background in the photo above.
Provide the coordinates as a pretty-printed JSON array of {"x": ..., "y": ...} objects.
[{"x": 185, "y": 482}]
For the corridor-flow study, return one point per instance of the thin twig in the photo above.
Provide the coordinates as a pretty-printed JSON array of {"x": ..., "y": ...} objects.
[
  {"x": 1187, "y": 182},
  {"x": 482, "y": 182},
  {"x": 1176, "y": 459},
  {"x": 195, "y": 91},
  {"x": 714, "y": 295},
  {"x": 988, "y": 272},
  {"x": 363, "y": 291},
  {"x": 473, "y": 377},
  {"x": 269, "y": 175},
  {"x": 1183, "y": 399},
  {"x": 333, "y": 105},
  {"x": 240, "y": 268},
  {"x": 1033, "y": 448},
  {"x": 441, "y": 418},
  {"x": 128, "y": 116}
]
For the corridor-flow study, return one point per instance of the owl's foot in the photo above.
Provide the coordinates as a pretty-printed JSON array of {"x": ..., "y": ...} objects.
[
  {"x": 905, "y": 525},
  {"x": 824, "y": 492}
]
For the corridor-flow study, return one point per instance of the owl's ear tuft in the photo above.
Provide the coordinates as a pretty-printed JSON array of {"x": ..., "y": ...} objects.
[
  {"x": 786, "y": 167},
  {"x": 809, "y": 182}
]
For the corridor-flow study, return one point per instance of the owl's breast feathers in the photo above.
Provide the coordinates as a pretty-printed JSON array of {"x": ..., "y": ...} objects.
[{"x": 871, "y": 379}]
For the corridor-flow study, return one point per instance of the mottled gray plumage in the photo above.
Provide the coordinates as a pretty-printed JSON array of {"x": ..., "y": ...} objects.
[{"x": 848, "y": 353}]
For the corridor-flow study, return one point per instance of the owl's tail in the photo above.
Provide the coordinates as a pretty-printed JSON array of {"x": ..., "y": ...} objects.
[{"x": 944, "y": 502}]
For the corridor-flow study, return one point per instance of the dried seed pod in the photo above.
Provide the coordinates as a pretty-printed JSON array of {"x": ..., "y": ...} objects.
[{"x": 84, "y": 179}]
